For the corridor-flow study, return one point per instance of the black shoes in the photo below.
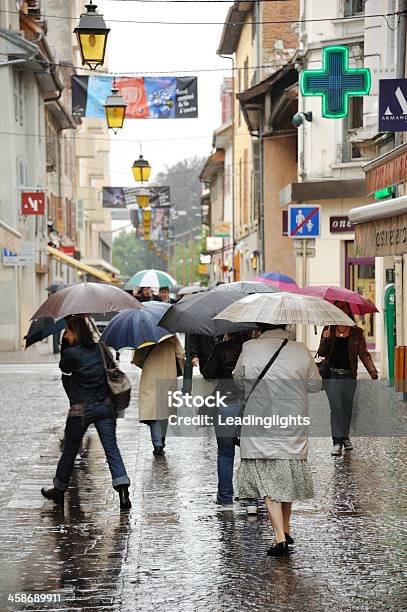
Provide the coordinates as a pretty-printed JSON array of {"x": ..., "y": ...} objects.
[
  {"x": 278, "y": 550},
  {"x": 56, "y": 495},
  {"x": 123, "y": 491},
  {"x": 288, "y": 539},
  {"x": 158, "y": 450}
]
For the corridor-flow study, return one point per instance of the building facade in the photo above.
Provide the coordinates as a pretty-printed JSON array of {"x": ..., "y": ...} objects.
[{"x": 333, "y": 152}]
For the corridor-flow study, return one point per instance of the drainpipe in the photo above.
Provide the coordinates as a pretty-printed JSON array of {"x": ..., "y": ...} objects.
[{"x": 232, "y": 59}]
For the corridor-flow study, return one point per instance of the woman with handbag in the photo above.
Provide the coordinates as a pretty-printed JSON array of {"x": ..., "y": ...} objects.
[
  {"x": 84, "y": 379},
  {"x": 342, "y": 346},
  {"x": 277, "y": 374},
  {"x": 161, "y": 364}
]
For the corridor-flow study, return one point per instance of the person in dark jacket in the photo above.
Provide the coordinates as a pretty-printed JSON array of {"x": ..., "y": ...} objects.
[
  {"x": 84, "y": 380},
  {"x": 146, "y": 295},
  {"x": 201, "y": 348},
  {"x": 220, "y": 366},
  {"x": 342, "y": 346}
]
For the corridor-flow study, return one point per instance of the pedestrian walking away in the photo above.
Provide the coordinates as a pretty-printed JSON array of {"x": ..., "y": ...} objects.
[
  {"x": 220, "y": 365},
  {"x": 274, "y": 460},
  {"x": 84, "y": 379},
  {"x": 161, "y": 364},
  {"x": 342, "y": 346}
]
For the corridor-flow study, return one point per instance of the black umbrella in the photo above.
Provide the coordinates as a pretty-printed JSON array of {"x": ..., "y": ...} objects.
[{"x": 193, "y": 314}]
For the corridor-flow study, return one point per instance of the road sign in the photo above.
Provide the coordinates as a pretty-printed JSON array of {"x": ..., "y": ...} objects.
[
  {"x": 336, "y": 82},
  {"x": 32, "y": 203},
  {"x": 304, "y": 221}
]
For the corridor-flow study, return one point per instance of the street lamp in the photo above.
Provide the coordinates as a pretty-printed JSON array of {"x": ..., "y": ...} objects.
[
  {"x": 115, "y": 108},
  {"x": 141, "y": 170},
  {"x": 143, "y": 197},
  {"x": 92, "y": 36}
]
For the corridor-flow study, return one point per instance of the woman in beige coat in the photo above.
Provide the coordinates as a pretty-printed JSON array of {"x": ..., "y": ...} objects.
[{"x": 161, "y": 364}]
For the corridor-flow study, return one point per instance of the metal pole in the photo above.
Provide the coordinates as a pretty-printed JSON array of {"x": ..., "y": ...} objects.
[
  {"x": 304, "y": 262},
  {"x": 304, "y": 280}
]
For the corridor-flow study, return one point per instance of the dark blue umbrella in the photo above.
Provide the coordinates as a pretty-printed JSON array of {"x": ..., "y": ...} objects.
[
  {"x": 42, "y": 328},
  {"x": 134, "y": 329}
]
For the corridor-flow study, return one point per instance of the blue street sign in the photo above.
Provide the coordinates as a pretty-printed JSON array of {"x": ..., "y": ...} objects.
[
  {"x": 304, "y": 221},
  {"x": 393, "y": 105}
]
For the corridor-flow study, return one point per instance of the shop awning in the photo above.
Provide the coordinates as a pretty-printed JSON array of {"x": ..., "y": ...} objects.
[
  {"x": 9, "y": 238},
  {"x": 74, "y": 263}
]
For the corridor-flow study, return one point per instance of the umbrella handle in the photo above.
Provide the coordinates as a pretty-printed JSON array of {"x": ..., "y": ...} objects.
[{"x": 95, "y": 329}]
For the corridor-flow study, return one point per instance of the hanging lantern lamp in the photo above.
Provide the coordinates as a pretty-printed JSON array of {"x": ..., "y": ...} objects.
[
  {"x": 115, "y": 109},
  {"x": 92, "y": 34}
]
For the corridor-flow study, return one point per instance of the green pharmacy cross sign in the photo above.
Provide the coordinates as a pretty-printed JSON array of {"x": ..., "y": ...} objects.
[{"x": 336, "y": 82}]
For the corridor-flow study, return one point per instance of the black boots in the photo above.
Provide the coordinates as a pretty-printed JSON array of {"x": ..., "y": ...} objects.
[
  {"x": 123, "y": 491},
  {"x": 278, "y": 550},
  {"x": 158, "y": 450},
  {"x": 56, "y": 495}
]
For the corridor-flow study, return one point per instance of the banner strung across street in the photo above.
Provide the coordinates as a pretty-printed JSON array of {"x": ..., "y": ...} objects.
[
  {"x": 146, "y": 97},
  {"x": 156, "y": 226},
  {"x": 121, "y": 197}
]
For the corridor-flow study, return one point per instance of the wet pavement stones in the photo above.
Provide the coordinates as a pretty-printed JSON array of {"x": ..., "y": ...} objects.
[{"x": 174, "y": 551}]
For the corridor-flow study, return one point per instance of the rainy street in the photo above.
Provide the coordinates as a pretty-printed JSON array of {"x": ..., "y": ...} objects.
[{"x": 174, "y": 550}]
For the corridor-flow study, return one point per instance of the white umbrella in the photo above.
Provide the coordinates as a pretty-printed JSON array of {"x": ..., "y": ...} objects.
[{"x": 284, "y": 308}]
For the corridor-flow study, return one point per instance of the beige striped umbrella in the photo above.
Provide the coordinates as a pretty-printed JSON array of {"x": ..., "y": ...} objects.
[{"x": 284, "y": 308}]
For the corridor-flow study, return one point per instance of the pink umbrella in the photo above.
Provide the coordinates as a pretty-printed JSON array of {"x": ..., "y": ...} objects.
[{"x": 358, "y": 304}]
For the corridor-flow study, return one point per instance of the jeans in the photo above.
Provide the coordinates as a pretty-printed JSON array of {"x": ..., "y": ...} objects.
[
  {"x": 226, "y": 452},
  {"x": 101, "y": 416},
  {"x": 340, "y": 389},
  {"x": 158, "y": 431}
]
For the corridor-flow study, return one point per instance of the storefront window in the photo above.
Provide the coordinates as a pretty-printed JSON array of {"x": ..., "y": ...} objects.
[{"x": 360, "y": 277}]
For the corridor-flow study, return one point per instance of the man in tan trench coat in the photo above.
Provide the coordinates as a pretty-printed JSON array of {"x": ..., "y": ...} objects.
[{"x": 160, "y": 365}]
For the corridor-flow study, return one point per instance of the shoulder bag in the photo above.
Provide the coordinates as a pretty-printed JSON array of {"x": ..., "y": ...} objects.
[
  {"x": 118, "y": 382},
  {"x": 238, "y": 428}
]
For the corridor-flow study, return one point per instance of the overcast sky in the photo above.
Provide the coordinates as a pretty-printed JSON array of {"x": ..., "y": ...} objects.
[{"x": 147, "y": 47}]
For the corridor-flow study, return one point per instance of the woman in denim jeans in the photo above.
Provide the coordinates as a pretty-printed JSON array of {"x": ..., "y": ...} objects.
[
  {"x": 84, "y": 380},
  {"x": 342, "y": 346},
  {"x": 220, "y": 365}
]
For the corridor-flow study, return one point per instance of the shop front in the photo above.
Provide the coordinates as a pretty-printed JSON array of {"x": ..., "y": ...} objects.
[{"x": 381, "y": 233}]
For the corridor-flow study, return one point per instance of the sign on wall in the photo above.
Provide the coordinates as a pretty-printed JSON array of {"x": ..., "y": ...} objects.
[
  {"x": 382, "y": 237},
  {"x": 335, "y": 83},
  {"x": 26, "y": 256},
  {"x": 393, "y": 105},
  {"x": 32, "y": 203},
  {"x": 340, "y": 224}
]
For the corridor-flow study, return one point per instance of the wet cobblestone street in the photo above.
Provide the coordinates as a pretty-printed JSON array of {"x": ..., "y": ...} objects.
[{"x": 174, "y": 551}]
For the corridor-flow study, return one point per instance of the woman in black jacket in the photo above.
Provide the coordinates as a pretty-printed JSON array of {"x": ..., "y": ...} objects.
[{"x": 84, "y": 380}]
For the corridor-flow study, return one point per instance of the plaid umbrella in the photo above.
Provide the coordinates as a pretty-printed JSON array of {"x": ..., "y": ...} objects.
[
  {"x": 247, "y": 287},
  {"x": 284, "y": 308}
]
